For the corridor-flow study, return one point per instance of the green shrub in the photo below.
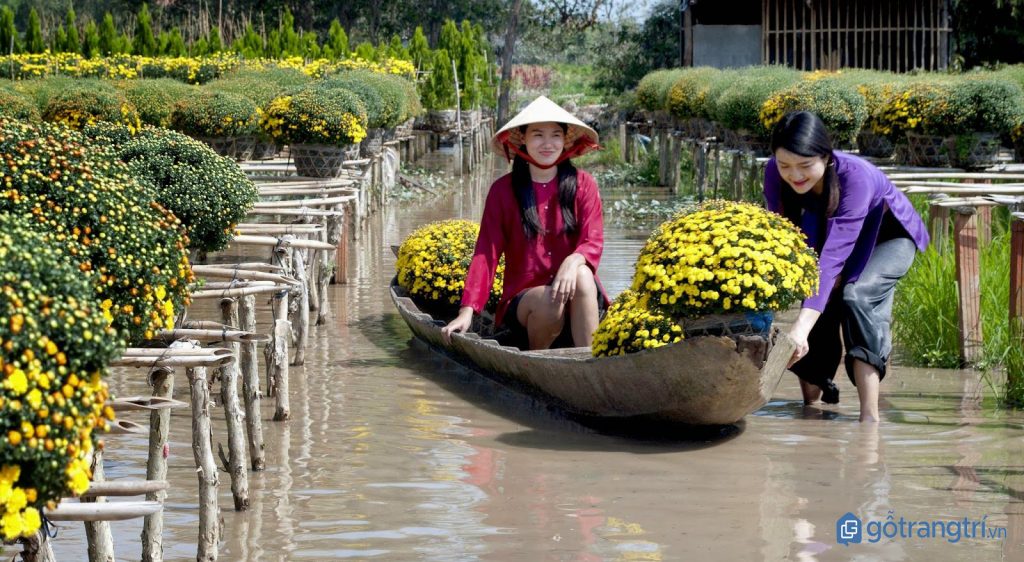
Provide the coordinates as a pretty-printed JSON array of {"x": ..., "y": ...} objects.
[
  {"x": 154, "y": 98},
  {"x": 719, "y": 83},
  {"x": 688, "y": 94},
  {"x": 57, "y": 344},
  {"x": 215, "y": 114},
  {"x": 739, "y": 106},
  {"x": 208, "y": 193},
  {"x": 976, "y": 104},
  {"x": 838, "y": 104},
  {"x": 262, "y": 85},
  {"x": 909, "y": 106},
  {"x": 16, "y": 105},
  {"x": 77, "y": 102},
  {"x": 652, "y": 91},
  {"x": 317, "y": 115},
  {"x": 109, "y": 226},
  {"x": 382, "y": 97}
]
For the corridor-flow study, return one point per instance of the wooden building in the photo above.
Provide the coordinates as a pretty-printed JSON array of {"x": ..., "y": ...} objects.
[{"x": 896, "y": 35}]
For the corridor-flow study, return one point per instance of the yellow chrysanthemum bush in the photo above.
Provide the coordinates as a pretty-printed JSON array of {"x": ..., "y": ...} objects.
[
  {"x": 632, "y": 325},
  {"x": 723, "y": 257},
  {"x": 434, "y": 259},
  {"x": 55, "y": 345},
  {"x": 84, "y": 199},
  {"x": 316, "y": 114},
  {"x": 77, "y": 102}
]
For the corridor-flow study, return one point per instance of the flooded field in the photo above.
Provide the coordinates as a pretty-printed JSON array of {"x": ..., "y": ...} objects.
[{"x": 394, "y": 453}]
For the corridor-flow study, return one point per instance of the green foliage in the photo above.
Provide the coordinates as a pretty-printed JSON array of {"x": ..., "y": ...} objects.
[
  {"x": 208, "y": 193},
  {"x": 382, "y": 96},
  {"x": 438, "y": 90},
  {"x": 91, "y": 41},
  {"x": 130, "y": 248},
  {"x": 366, "y": 51},
  {"x": 8, "y": 32},
  {"x": 687, "y": 97},
  {"x": 337, "y": 39},
  {"x": 109, "y": 40},
  {"x": 262, "y": 85},
  {"x": 839, "y": 105},
  {"x": 977, "y": 104},
  {"x": 213, "y": 42},
  {"x": 172, "y": 44},
  {"x": 34, "y": 42},
  {"x": 72, "y": 43},
  {"x": 76, "y": 102},
  {"x": 211, "y": 113},
  {"x": 155, "y": 98},
  {"x": 739, "y": 106},
  {"x": 652, "y": 91},
  {"x": 17, "y": 106},
  {"x": 419, "y": 49},
  {"x": 144, "y": 43},
  {"x": 250, "y": 44}
]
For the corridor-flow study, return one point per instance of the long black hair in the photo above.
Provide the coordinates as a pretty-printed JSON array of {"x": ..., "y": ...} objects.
[
  {"x": 522, "y": 186},
  {"x": 804, "y": 134}
]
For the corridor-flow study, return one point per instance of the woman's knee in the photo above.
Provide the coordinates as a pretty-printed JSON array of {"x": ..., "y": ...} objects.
[
  {"x": 586, "y": 285},
  {"x": 858, "y": 296}
]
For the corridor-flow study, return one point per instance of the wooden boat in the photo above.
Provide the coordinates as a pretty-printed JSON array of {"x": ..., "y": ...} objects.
[{"x": 703, "y": 380}]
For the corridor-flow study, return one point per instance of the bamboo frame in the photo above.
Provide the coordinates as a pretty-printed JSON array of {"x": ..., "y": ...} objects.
[
  {"x": 234, "y": 415},
  {"x": 894, "y": 35}
]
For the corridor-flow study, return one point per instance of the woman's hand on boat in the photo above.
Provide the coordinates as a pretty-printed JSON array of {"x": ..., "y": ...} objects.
[
  {"x": 801, "y": 329},
  {"x": 461, "y": 323},
  {"x": 563, "y": 287}
]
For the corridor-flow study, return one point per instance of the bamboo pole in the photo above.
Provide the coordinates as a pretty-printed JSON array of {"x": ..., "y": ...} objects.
[
  {"x": 37, "y": 548},
  {"x": 100, "y": 542},
  {"x": 110, "y": 511},
  {"x": 214, "y": 359},
  {"x": 162, "y": 381},
  {"x": 244, "y": 268},
  {"x": 240, "y": 292},
  {"x": 278, "y": 241},
  {"x": 251, "y": 385},
  {"x": 239, "y": 273},
  {"x": 211, "y": 286},
  {"x": 149, "y": 403},
  {"x": 282, "y": 331},
  {"x": 206, "y": 467},
  {"x": 124, "y": 487},
  {"x": 234, "y": 415},
  {"x": 213, "y": 335},
  {"x": 291, "y": 203},
  {"x": 125, "y": 427},
  {"x": 300, "y": 212},
  {"x": 968, "y": 285}
]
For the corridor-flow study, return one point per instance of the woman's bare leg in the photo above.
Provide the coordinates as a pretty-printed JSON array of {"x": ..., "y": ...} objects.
[
  {"x": 811, "y": 392},
  {"x": 583, "y": 309},
  {"x": 542, "y": 317},
  {"x": 867, "y": 389}
]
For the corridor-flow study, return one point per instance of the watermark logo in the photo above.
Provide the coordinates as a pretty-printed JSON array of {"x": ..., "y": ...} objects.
[
  {"x": 851, "y": 529},
  {"x": 848, "y": 529}
]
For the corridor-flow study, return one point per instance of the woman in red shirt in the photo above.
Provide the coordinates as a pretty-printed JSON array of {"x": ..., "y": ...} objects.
[{"x": 545, "y": 218}]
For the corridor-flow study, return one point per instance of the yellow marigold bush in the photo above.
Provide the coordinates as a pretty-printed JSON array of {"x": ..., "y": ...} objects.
[
  {"x": 316, "y": 114},
  {"x": 55, "y": 343},
  {"x": 434, "y": 259},
  {"x": 110, "y": 226},
  {"x": 631, "y": 325},
  {"x": 726, "y": 257}
]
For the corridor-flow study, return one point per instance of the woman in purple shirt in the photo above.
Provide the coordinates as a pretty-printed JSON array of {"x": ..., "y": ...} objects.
[{"x": 865, "y": 232}]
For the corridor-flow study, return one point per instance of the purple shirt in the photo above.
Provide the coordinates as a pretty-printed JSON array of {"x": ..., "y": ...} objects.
[{"x": 850, "y": 235}]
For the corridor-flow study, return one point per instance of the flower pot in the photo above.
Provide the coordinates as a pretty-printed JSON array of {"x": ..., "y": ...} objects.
[
  {"x": 224, "y": 146},
  {"x": 738, "y": 324},
  {"x": 442, "y": 120},
  {"x": 320, "y": 160},
  {"x": 264, "y": 150},
  {"x": 874, "y": 145},
  {"x": 243, "y": 148},
  {"x": 927, "y": 150},
  {"x": 405, "y": 129},
  {"x": 973, "y": 150},
  {"x": 372, "y": 144},
  {"x": 749, "y": 142}
]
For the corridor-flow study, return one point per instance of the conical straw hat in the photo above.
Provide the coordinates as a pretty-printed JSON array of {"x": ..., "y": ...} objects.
[{"x": 579, "y": 138}]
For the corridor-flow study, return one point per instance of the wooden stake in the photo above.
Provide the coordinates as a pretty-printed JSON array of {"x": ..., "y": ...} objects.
[
  {"x": 162, "y": 381},
  {"x": 97, "y": 533},
  {"x": 249, "y": 365},
  {"x": 234, "y": 415},
  {"x": 282, "y": 332},
  {"x": 300, "y": 305},
  {"x": 938, "y": 223},
  {"x": 968, "y": 280},
  {"x": 206, "y": 466}
]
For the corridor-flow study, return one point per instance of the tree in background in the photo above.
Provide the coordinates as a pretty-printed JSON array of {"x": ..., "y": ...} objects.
[
  {"x": 34, "y": 42},
  {"x": 337, "y": 40},
  {"x": 109, "y": 40},
  {"x": 144, "y": 43},
  {"x": 91, "y": 40},
  {"x": 72, "y": 43},
  {"x": 419, "y": 49},
  {"x": 8, "y": 32},
  {"x": 986, "y": 32}
]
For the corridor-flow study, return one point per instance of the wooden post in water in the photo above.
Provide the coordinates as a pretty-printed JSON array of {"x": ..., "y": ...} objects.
[
  {"x": 281, "y": 256},
  {"x": 300, "y": 305},
  {"x": 624, "y": 142},
  {"x": 1016, "y": 291},
  {"x": 249, "y": 365},
  {"x": 965, "y": 229},
  {"x": 97, "y": 533},
  {"x": 676, "y": 156},
  {"x": 206, "y": 466},
  {"x": 702, "y": 170},
  {"x": 233, "y": 414},
  {"x": 162, "y": 381},
  {"x": 984, "y": 217},
  {"x": 37, "y": 548}
]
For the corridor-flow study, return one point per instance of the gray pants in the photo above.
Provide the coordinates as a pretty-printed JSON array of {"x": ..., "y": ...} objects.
[{"x": 865, "y": 315}]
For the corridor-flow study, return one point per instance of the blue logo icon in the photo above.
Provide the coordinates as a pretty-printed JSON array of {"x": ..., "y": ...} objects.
[{"x": 848, "y": 529}]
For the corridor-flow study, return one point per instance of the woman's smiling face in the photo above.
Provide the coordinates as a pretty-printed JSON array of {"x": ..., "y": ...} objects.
[
  {"x": 544, "y": 142},
  {"x": 802, "y": 173}
]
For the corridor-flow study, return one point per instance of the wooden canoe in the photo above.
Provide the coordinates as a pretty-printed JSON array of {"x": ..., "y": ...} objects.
[{"x": 704, "y": 380}]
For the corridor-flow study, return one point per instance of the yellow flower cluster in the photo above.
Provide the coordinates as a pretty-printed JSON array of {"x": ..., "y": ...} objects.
[
  {"x": 19, "y": 518},
  {"x": 775, "y": 107},
  {"x": 315, "y": 117},
  {"x": 630, "y": 325},
  {"x": 194, "y": 70},
  {"x": 725, "y": 257},
  {"x": 433, "y": 262}
]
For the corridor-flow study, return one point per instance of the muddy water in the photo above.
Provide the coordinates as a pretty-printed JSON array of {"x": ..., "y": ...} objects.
[{"x": 396, "y": 454}]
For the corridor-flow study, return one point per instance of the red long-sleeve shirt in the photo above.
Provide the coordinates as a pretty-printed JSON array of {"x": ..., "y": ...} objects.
[{"x": 531, "y": 262}]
